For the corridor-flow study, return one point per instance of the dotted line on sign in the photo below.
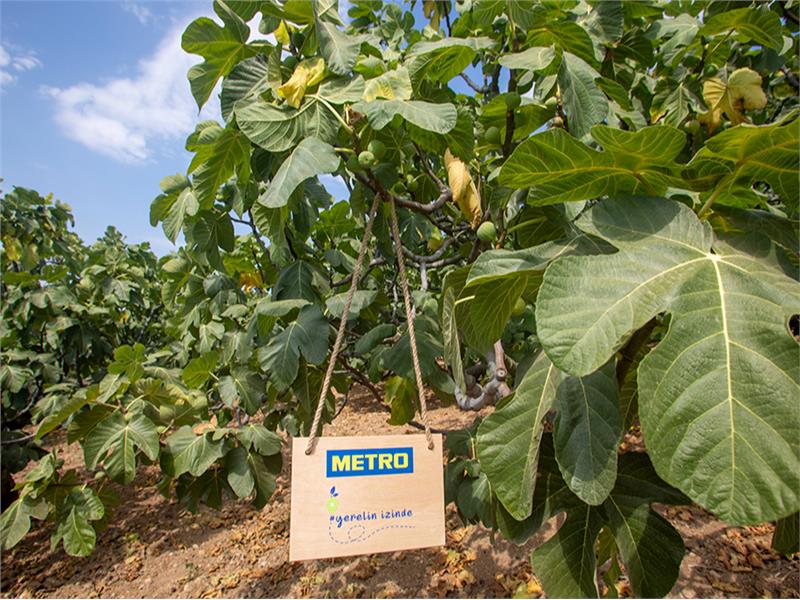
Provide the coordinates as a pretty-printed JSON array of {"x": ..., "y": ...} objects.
[{"x": 352, "y": 538}]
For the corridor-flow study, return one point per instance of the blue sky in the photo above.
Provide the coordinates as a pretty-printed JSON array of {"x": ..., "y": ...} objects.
[{"x": 95, "y": 106}]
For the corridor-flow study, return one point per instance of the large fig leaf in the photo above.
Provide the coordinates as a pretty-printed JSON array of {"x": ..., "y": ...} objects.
[
  {"x": 508, "y": 439},
  {"x": 584, "y": 102},
  {"x": 588, "y": 430},
  {"x": 276, "y": 129},
  {"x": 559, "y": 168},
  {"x": 439, "y": 118},
  {"x": 221, "y": 47},
  {"x": 310, "y": 158},
  {"x": 718, "y": 395},
  {"x": 115, "y": 440},
  {"x": 649, "y": 548},
  {"x": 441, "y": 60},
  {"x": 187, "y": 452},
  {"x": 732, "y": 161},
  {"x": 308, "y": 335}
]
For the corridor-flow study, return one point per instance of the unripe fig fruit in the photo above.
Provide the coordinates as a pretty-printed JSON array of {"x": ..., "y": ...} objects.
[
  {"x": 353, "y": 164},
  {"x": 558, "y": 121},
  {"x": 487, "y": 232},
  {"x": 513, "y": 100},
  {"x": 492, "y": 135},
  {"x": 378, "y": 148},
  {"x": 551, "y": 103},
  {"x": 692, "y": 126},
  {"x": 366, "y": 159}
]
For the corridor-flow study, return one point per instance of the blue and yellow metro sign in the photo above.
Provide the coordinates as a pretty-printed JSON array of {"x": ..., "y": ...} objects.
[{"x": 369, "y": 461}]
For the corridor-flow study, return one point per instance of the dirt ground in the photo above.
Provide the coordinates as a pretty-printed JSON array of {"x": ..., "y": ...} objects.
[{"x": 155, "y": 548}]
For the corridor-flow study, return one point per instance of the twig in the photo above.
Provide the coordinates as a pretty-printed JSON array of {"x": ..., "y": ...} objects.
[
  {"x": 427, "y": 168},
  {"x": 376, "y": 262},
  {"x": 481, "y": 89},
  {"x": 791, "y": 77},
  {"x": 421, "y": 427},
  {"x": 376, "y": 187},
  {"x": 446, "y": 243},
  {"x": 21, "y": 440}
]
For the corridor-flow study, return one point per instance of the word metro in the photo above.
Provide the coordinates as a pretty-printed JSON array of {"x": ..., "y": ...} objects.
[{"x": 369, "y": 461}]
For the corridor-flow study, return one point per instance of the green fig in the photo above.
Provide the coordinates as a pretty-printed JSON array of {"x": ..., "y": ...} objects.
[
  {"x": 487, "y": 232},
  {"x": 353, "y": 164},
  {"x": 551, "y": 103},
  {"x": 513, "y": 100},
  {"x": 367, "y": 159},
  {"x": 378, "y": 148},
  {"x": 492, "y": 135}
]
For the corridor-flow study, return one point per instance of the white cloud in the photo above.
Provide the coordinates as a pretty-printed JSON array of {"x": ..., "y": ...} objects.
[
  {"x": 141, "y": 12},
  {"x": 14, "y": 61},
  {"x": 125, "y": 118},
  {"x": 129, "y": 119}
]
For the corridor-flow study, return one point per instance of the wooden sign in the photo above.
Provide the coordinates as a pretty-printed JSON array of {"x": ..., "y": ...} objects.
[{"x": 359, "y": 495}]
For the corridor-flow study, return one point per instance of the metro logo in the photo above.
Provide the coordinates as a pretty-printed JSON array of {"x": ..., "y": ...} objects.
[{"x": 369, "y": 461}]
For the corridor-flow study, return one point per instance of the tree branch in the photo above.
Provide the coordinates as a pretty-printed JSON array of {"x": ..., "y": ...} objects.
[
  {"x": 446, "y": 243},
  {"x": 427, "y": 168},
  {"x": 376, "y": 262},
  {"x": 376, "y": 187},
  {"x": 481, "y": 89},
  {"x": 791, "y": 78}
]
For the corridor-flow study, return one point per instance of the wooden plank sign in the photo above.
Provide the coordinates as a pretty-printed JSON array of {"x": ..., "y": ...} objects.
[{"x": 365, "y": 494}]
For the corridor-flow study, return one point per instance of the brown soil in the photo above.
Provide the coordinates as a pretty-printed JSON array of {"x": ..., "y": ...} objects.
[{"x": 155, "y": 548}]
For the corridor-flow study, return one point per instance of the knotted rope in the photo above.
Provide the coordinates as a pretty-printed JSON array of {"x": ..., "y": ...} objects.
[{"x": 337, "y": 345}]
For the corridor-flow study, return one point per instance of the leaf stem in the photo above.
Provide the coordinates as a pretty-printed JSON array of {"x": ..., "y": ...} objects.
[
  {"x": 717, "y": 191},
  {"x": 334, "y": 111}
]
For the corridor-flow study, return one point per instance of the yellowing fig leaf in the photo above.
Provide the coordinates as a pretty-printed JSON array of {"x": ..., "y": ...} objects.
[
  {"x": 465, "y": 194},
  {"x": 742, "y": 92},
  {"x": 282, "y": 34},
  {"x": 13, "y": 248},
  {"x": 306, "y": 74}
]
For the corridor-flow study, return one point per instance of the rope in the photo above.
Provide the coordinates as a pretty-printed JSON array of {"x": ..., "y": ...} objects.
[
  {"x": 401, "y": 268},
  {"x": 337, "y": 346}
]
